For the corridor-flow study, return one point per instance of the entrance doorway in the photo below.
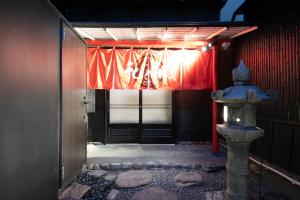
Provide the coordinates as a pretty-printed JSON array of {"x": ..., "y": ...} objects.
[{"x": 140, "y": 116}]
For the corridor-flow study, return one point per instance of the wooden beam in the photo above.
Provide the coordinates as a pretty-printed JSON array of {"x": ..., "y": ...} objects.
[
  {"x": 244, "y": 32},
  {"x": 216, "y": 33},
  {"x": 186, "y": 37},
  {"x": 138, "y": 36},
  {"x": 111, "y": 34},
  {"x": 146, "y": 43},
  {"x": 83, "y": 34}
]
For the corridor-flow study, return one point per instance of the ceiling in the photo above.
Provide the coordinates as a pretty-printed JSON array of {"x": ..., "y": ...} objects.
[{"x": 163, "y": 33}]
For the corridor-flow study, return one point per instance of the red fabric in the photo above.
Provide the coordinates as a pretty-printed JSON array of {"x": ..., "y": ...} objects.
[{"x": 149, "y": 69}]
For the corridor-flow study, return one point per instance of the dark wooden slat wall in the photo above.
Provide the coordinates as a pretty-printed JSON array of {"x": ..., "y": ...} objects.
[
  {"x": 194, "y": 109},
  {"x": 74, "y": 131},
  {"x": 272, "y": 52}
]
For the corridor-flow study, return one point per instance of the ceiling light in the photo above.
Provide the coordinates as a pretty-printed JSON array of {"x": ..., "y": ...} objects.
[
  {"x": 165, "y": 35},
  {"x": 204, "y": 48}
]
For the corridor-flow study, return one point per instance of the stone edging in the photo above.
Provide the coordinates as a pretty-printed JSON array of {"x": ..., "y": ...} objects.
[{"x": 147, "y": 165}]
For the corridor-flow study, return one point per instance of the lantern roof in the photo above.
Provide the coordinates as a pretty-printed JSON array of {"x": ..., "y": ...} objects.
[{"x": 242, "y": 92}]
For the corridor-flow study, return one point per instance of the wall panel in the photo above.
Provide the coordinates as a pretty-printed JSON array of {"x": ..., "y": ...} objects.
[
  {"x": 272, "y": 52},
  {"x": 29, "y": 99},
  {"x": 74, "y": 130}
]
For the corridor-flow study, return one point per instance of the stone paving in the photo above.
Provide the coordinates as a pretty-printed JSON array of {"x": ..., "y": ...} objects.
[
  {"x": 186, "y": 179},
  {"x": 133, "y": 178},
  {"x": 155, "y": 172},
  {"x": 138, "y": 156},
  {"x": 210, "y": 185}
]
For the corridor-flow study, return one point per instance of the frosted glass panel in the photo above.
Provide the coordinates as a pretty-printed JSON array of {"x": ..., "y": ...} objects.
[
  {"x": 124, "y": 106},
  {"x": 124, "y": 116},
  {"x": 159, "y": 97},
  {"x": 157, "y": 116},
  {"x": 157, "y": 106},
  {"x": 124, "y": 97}
]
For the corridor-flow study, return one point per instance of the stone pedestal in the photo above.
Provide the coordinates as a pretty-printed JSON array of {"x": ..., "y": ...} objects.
[
  {"x": 239, "y": 128},
  {"x": 238, "y": 141}
]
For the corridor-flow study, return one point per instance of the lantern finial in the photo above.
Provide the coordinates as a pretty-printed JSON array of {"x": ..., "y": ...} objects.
[{"x": 241, "y": 74}]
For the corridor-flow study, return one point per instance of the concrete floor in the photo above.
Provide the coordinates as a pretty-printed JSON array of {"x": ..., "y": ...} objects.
[{"x": 157, "y": 153}]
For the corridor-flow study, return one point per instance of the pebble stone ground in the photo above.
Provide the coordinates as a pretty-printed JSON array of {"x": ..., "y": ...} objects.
[
  {"x": 163, "y": 162},
  {"x": 163, "y": 179}
]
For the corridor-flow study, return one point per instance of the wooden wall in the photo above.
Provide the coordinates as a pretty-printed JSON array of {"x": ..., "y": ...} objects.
[
  {"x": 272, "y": 52},
  {"x": 74, "y": 130},
  {"x": 194, "y": 115}
]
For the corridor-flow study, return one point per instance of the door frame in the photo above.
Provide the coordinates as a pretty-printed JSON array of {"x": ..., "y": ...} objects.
[{"x": 168, "y": 131}]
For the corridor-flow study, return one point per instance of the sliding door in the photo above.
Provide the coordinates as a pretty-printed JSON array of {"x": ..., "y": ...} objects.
[
  {"x": 124, "y": 116},
  {"x": 143, "y": 116},
  {"x": 157, "y": 107},
  {"x": 156, "y": 119}
]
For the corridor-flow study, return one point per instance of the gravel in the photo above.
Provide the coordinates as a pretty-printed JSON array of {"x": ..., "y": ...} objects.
[
  {"x": 99, "y": 186},
  {"x": 164, "y": 179}
]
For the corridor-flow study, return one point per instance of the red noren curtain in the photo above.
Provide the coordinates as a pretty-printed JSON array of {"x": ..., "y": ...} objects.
[{"x": 149, "y": 69}]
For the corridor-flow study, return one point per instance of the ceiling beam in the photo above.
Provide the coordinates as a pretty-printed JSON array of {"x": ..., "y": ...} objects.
[
  {"x": 186, "y": 36},
  {"x": 138, "y": 36},
  {"x": 83, "y": 34},
  {"x": 111, "y": 34},
  {"x": 216, "y": 33},
  {"x": 244, "y": 32}
]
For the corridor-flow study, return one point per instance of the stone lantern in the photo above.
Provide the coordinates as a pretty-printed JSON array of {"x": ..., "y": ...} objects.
[{"x": 239, "y": 128}]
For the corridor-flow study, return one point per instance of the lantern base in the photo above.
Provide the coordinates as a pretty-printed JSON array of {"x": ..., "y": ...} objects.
[{"x": 238, "y": 140}]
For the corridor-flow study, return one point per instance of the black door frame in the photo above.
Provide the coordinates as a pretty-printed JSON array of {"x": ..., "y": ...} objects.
[{"x": 141, "y": 133}]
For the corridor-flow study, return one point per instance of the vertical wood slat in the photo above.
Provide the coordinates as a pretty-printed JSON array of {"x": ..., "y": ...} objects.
[
  {"x": 73, "y": 109},
  {"x": 272, "y": 53}
]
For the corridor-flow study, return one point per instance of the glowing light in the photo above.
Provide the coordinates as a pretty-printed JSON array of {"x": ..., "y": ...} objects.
[
  {"x": 204, "y": 48},
  {"x": 238, "y": 119},
  {"x": 166, "y": 36},
  {"x": 209, "y": 44},
  {"x": 225, "y": 113}
]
